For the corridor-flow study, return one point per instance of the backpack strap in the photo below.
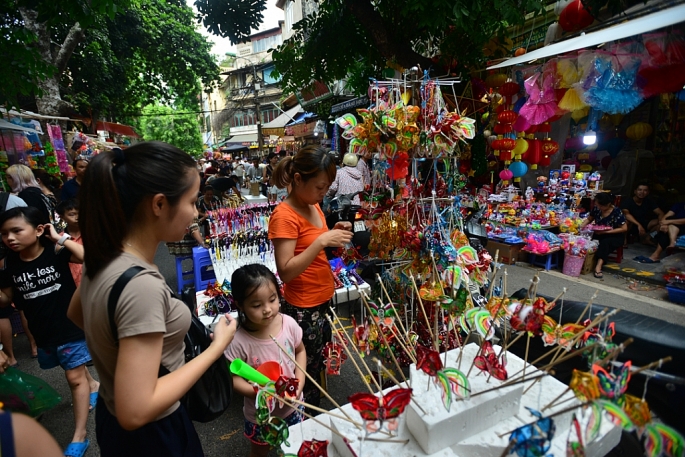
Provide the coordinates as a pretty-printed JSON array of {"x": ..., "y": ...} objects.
[
  {"x": 4, "y": 198},
  {"x": 114, "y": 295}
]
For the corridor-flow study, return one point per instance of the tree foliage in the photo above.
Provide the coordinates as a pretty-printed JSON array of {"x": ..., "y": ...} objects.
[
  {"x": 160, "y": 123},
  {"x": 126, "y": 54},
  {"x": 357, "y": 39}
]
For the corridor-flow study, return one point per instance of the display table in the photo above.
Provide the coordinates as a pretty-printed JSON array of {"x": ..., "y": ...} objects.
[
  {"x": 485, "y": 417},
  {"x": 249, "y": 199}
]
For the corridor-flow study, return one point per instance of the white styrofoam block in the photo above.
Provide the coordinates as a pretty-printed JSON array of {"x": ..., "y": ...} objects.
[
  {"x": 356, "y": 446},
  {"x": 438, "y": 428},
  {"x": 488, "y": 443}
]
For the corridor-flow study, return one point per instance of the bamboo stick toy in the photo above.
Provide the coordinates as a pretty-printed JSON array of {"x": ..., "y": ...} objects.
[
  {"x": 425, "y": 316},
  {"x": 368, "y": 370},
  {"x": 350, "y": 355},
  {"x": 382, "y": 335},
  {"x": 322, "y": 390}
]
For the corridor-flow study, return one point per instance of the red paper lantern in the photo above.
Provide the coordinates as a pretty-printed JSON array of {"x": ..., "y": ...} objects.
[
  {"x": 532, "y": 129},
  {"x": 504, "y": 144},
  {"x": 549, "y": 148},
  {"x": 502, "y": 129},
  {"x": 575, "y": 17},
  {"x": 534, "y": 153},
  {"x": 505, "y": 155},
  {"x": 509, "y": 89},
  {"x": 507, "y": 117},
  {"x": 544, "y": 127}
]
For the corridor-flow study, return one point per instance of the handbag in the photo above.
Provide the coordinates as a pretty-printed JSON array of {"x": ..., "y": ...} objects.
[{"x": 210, "y": 396}]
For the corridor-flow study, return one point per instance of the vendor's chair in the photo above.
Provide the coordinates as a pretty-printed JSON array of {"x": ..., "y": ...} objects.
[{"x": 617, "y": 255}]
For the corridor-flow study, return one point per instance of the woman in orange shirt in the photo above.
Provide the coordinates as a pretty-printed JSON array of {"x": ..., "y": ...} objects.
[{"x": 299, "y": 234}]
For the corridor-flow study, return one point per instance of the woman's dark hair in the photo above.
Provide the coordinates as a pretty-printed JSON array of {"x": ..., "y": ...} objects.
[
  {"x": 604, "y": 198},
  {"x": 308, "y": 162},
  {"x": 116, "y": 184},
  {"x": 77, "y": 160},
  {"x": 67, "y": 205},
  {"x": 208, "y": 188},
  {"x": 51, "y": 182},
  {"x": 245, "y": 280}
]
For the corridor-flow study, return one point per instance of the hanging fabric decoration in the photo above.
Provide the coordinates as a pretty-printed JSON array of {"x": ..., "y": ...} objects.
[
  {"x": 541, "y": 102},
  {"x": 663, "y": 66},
  {"x": 613, "y": 87},
  {"x": 569, "y": 76}
]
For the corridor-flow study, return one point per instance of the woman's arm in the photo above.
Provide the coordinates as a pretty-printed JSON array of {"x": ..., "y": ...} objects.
[
  {"x": 75, "y": 310},
  {"x": 139, "y": 394},
  {"x": 621, "y": 229},
  {"x": 290, "y": 266},
  {"x": 666, "y": 221},
  {"x": 588, "y": 220}
]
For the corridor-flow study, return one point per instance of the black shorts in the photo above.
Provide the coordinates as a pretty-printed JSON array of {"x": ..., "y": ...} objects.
[{"x": 172, "y": 436}]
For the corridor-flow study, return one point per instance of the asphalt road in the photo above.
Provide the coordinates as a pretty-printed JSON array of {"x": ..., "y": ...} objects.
[{"x": 223, "y": 437}]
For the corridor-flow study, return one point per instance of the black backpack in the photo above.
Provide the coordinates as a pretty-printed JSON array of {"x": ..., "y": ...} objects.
[{"x": 210, "y": 396}]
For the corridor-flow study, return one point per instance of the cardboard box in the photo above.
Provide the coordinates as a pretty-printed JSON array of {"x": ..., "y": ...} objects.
[
  {"x": 508, "y": 253},
  {"x": 254, "y": 189}
]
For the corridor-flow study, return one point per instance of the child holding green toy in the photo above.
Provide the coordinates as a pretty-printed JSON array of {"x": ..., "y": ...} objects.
[{"x": 256, "y": 294}]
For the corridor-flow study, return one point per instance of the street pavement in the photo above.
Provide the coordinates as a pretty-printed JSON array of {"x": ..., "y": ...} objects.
[{"x": 223, "y": 437}]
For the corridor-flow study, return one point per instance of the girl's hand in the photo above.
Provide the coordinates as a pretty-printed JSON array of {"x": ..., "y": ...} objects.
[
  {"x": 224, "y": 331},
  {"x": 52, "y": 233},
  {"x": 343, "y": 225},
  {"x": 335, "y": 238}
]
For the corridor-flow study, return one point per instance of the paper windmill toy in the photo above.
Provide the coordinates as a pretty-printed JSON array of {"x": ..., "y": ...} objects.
[
  {"x": 313, "y": 448},
  {"x": 487, "y": 361},
  {"x": 376, "y": 411},
  {"x": 533, "y": 440},
  {"x": 450, "y": 380}
]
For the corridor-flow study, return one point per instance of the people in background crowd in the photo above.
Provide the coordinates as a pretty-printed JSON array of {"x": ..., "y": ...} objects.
[
  {"x": 605, "y": 213},
  {"x": 670, "y": 227},
  {"x": 71, "y": 188},
  {"x": 642, "y": 213},
  {"x": 37, "y": 279},
  {"x": 348, "y": 180},
  {"x": 132, "y": 200},
  {"x": 68, "y": 212},
  {"x": 23, "y": 182}
]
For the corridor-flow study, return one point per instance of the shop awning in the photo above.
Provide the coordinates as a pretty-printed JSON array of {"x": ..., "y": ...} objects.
[
  {"x": 4, "y": 125},
  {"x": 275, "y": 127},
  {"x": 350, "y": 104},
  {"x": 119, "y": 129},
  {"x": 637, "y": 26},
  {"x": 244, "y": 138},
  {"x": 300, "y": 118}
]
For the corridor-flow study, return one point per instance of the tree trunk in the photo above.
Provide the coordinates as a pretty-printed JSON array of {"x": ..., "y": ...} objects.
[{"x": 50, "y": 101}]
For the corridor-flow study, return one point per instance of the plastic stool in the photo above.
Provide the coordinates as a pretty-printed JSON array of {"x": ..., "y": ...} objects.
[
  {"x": 617, "y": 255},
  {"x": 204, "y": 270},
  {"x": 547, "y": 261},
  {"x": 181, "y": 273}
]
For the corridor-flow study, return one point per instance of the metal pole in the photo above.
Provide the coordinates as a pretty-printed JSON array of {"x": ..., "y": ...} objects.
[{"x": 257, "y": 86}]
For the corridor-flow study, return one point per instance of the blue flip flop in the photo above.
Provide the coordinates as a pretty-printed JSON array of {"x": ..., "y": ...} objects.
[
  {"x": 648, "y": 260},
  {"x": 77, "y": 449},
  {"x": 93, "y": 400},
  {"x": 639, "y": 258}
]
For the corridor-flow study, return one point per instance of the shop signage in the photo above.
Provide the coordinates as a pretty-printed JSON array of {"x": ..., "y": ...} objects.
[
  {"x": 315, "y": 93},
  {"x": 300, "y": 130},
  {"x": 350, "y": 104}
]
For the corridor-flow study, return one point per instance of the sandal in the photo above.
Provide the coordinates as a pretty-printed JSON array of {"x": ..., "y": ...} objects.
[
  {"x": 648, "y": 260},
  {"x": 77, "y": 449},
  {"x": 93, "y": 400},
  {"x": 598, "y": 274}
]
